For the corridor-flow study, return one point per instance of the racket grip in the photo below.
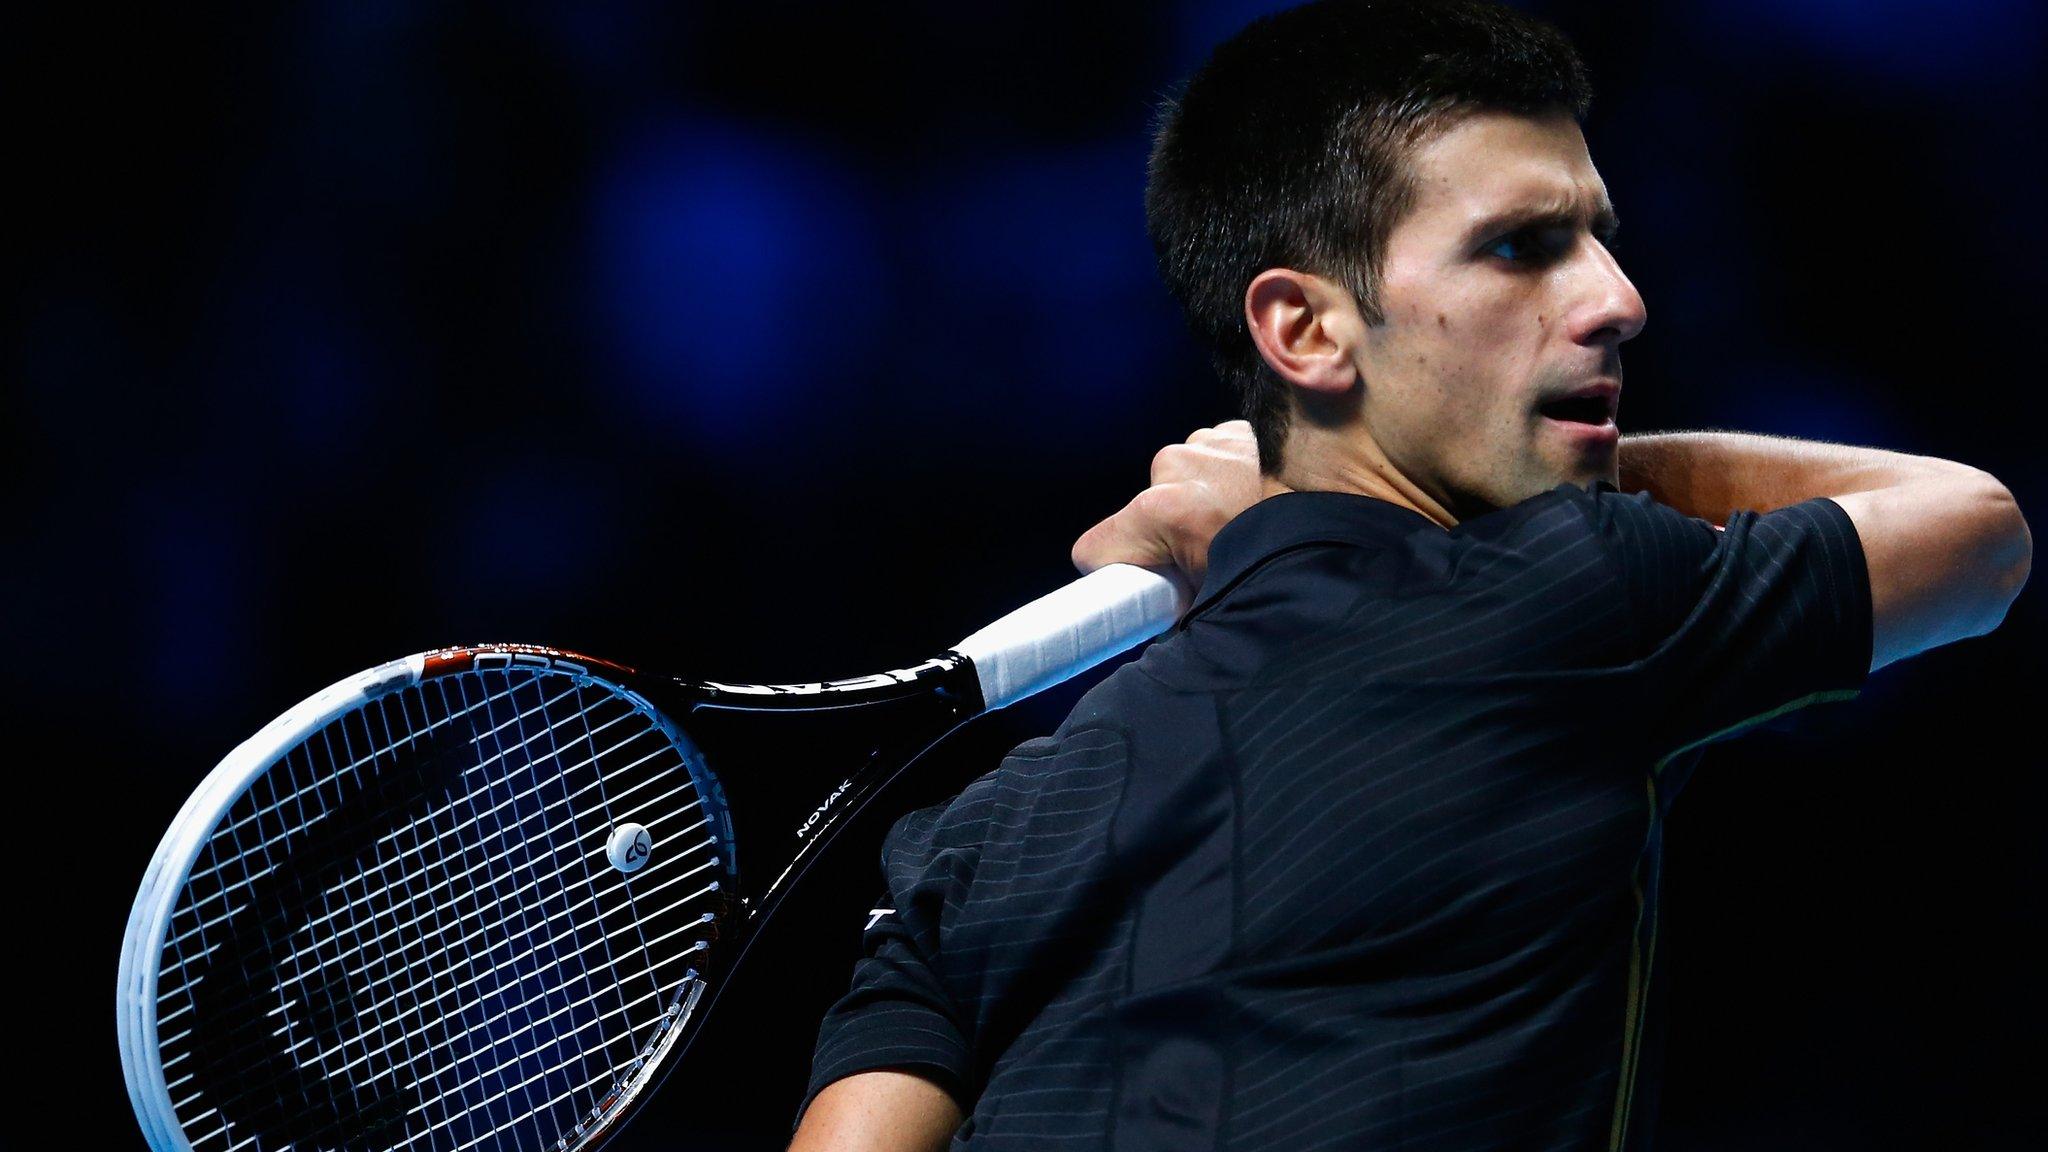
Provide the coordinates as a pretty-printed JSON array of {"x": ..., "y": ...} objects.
[{"x": 1064, "y": 633}]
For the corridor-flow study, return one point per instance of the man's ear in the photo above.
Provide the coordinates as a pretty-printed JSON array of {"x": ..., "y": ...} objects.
[{"x": 1306, "y": 327}]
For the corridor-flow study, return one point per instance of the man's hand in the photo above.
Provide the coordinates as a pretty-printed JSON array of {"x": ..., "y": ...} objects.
[{"x": 1197, "y": 488}]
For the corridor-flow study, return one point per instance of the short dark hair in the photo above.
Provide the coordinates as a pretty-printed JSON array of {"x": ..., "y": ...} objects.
[{"x": 1290, "y": 148}]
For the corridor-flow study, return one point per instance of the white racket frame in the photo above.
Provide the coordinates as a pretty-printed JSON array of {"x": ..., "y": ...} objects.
[{"x": 142, "y": 945}]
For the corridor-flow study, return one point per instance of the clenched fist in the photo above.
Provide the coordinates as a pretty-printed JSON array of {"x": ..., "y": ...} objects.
[{"x": 1197, "y": 488}]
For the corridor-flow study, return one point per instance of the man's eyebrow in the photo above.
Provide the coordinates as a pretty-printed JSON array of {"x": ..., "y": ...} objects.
[{"x": 1603, "y": 224}]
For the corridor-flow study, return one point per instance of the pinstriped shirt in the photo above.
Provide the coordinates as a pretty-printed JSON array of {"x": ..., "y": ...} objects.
[{"x": 1364, "y": 853}]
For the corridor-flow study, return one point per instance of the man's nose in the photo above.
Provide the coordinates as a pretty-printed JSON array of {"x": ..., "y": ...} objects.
[{"x": 1611, "y": 309}]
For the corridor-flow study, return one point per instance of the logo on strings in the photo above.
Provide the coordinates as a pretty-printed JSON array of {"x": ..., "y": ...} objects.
[{"x": 629, "y": 848}]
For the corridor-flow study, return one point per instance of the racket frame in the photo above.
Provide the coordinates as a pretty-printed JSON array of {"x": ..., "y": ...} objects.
[
  {"x": 143, "y": 943},
  {"x": 947, "y": 680}
]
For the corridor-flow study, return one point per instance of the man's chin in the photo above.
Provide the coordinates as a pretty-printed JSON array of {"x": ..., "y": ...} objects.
[{"x": 1590, "y": 466}]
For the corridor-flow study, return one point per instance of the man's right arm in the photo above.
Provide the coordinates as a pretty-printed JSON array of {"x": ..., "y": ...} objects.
[
  {"x": 1945, "y": 544},
  {"x": 879, "y": 1112}
]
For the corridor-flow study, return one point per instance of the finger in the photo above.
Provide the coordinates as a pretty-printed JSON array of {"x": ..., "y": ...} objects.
[
  {"x": 1178, "y": 520},
  {"x": 1245, "y": 450},
  {"x": 1125, "y": 538},
  {"x": 1182, "y": 463},
  {"x": 1173, "y": 463}
]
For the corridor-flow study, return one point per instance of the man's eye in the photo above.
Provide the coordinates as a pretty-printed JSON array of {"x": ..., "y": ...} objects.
[
  {"x": 1526, "y": 246},
  {"x": 1540, "y": 245},
  {"x": 1509, "y": 247}
]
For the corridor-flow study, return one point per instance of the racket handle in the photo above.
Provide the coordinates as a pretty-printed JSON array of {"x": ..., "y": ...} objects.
[{"x": 1064, "y": 633}]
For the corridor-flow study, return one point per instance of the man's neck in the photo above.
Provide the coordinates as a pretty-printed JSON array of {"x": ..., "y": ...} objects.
[{"x": 1328, "y": 460}]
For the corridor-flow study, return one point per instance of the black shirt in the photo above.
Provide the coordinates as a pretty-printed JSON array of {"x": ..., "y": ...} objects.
[{"x": 1364, "y": 853}]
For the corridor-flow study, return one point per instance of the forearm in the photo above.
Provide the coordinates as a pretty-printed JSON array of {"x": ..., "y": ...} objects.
[
  {"x": 879, "y": 1112},
  {"x": 1712, "y": 475}
]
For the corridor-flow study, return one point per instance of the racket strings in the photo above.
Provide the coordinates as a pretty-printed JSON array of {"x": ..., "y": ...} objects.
[
  {"x": 464, "y": 1041},
  {"x": 482, "y": 931},
  {"x": 404, "y": 1039},
  {"x": 451, "y": 884},
  {"x": 296, "y": 797},
  {"x": 247, "y": 1042},
  {"x": 420, "y": 853},
  {"x": 417, "y": 854},
  {"x": 476, "y": 967},
  {"x": 612, "y": 985},
  {"x": 547, "y": 1029},
  {"x": 254, "y": 814},
  {"x": 574, "y": 929},
  {"x": 273, "y": 850},
  {"x": 479, "y": 1046}
]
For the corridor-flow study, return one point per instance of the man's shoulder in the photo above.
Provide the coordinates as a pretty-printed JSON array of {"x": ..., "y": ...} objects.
[
  {"x": 1097, "y": 732},
  {"x": 1092, "y": 737}
]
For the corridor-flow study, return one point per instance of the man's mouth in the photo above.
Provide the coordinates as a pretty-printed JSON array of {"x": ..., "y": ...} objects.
[
  {"x": 1587, "y": 415},
  {"x": 1592, "y": 409}
]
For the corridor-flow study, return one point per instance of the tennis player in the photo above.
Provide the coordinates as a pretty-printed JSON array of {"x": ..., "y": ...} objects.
[{"x": 1364, "y": 853}]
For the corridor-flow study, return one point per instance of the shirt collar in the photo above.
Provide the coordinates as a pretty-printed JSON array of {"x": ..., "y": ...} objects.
[{"x": 1289, "y": 519}]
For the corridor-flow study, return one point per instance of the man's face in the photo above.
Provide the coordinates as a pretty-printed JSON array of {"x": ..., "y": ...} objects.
[{"x": 1498, "y": 296}]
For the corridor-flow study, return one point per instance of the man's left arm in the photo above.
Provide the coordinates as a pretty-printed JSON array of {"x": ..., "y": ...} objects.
[{"x": 1945, "y": 546}]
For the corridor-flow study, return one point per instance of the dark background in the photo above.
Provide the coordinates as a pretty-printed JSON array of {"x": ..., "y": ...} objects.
[{"x": 797, "y": 340}]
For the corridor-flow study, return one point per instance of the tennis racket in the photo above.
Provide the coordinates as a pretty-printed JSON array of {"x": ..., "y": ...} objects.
[{"x": 484, "y": 897}]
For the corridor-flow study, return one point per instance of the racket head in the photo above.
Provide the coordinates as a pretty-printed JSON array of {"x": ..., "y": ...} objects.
[{"x": 395, "y": 911}]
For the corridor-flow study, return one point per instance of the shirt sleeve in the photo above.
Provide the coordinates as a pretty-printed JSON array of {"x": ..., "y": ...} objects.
[
  {"x": 897, "y": 1014},
  {"x": 1739, "y": 625}
]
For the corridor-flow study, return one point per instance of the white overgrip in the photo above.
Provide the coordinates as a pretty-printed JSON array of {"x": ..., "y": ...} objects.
[{"x": 1064, "y": 633}]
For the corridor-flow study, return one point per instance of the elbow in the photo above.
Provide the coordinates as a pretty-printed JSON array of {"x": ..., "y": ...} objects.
[{"x": 2009, "y": 551}]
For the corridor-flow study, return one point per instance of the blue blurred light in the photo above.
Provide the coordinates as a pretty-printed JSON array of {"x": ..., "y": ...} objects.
[
  {"x": 200, "y": 596},
  {"x": 604, "y": 42},
  {"x": 1930, "y": 41},
  {"x": 375, "y": 115},
  {"x": 526, "y": 534},
  {"x": 732, "y": 271},
  {"x": 1044, "y": 288},
  {"x": 366, "y": 21},
  {"x": 1203, "y": 24},
  {"x": 293, "y": 374},
  {"x": 1809, "y": 403}
]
